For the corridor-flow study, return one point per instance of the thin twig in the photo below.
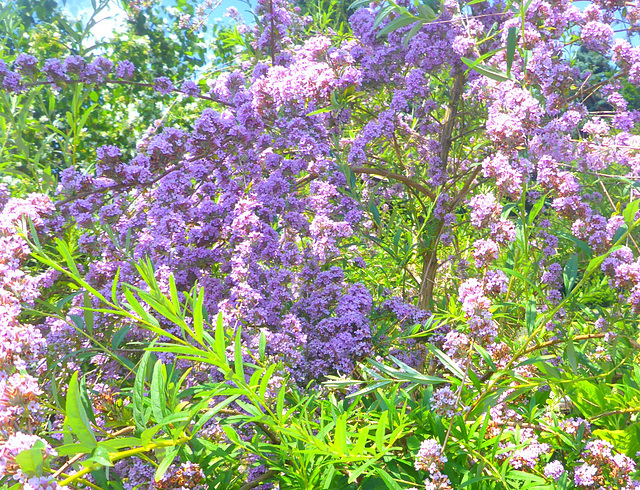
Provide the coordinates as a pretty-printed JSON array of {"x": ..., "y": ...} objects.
[
  {"x": 380, "y": 172},
  {"x": 126, "y": 82},
  {"x": 551, "y": 343},
  {"x": 615, "y": 412}
]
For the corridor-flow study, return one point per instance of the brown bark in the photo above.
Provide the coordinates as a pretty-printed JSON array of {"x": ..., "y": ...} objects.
[{"x": 430, "y": 257}]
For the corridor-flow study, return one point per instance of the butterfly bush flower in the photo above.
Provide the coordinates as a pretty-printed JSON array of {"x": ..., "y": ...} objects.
[
  {"x": 485, "y": 252},
  {"x": 476, "y": 307},
  {"x": 190, "y": 88},
  {"x": 430, "y": 457},
  {"x": 74, "y": 65},
  {"x": 9, "y": 80},
  {"x": 185, "y": 476},
  {"x": 597, "y": 36},
  {"x": 484, "y": 210},
  {"x": 554, "y": 470},
  {"x": 125, "y": 70},
  {"x": 14, "y": 445},
  {"x": 438, "y": 481},
  {"x": 55, "y": 71},
  {"x": 509, "y": 180},
  {"x": 443, "y": 402},
  {"x": 21, "y": 344},
  {"x": 527, "y": 457},
  {"x": 495, "y": 282},
  {"x": 98, "y": 71},
  {"x": 163, "y": 85},
  {"x": 584, "y": 475}
]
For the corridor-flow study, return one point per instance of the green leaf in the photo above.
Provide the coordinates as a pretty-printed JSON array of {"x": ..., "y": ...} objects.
[
  {"x": 119, "y": 337},
  {"x": 571, "y": 356},
  {"x": 139, "y": 415},
  {"x": 382, "y": 15},
  {"x": 511, "y": 48},
  {"x": 169, "y": 456},
  {"x": 340, "y": 436},
  {"x": 266, "y": 377},
  {"x": 198, "y": 325},
  {"x": 63, "y": 249},
  {"x": 448, "y": 363},
  {"x": 630, "y": 211},
  {"x": 388, "y": 479},
  {"x": 86, "y": 402},
  {"x": 375, "y": 213},
  {"x": 485, "y": 70},
  {"x": 31, "y": 460},
  {"x": 158, "y": 391},
  {"x": 570, "y": 273},
  {"x": 73, "y": 449},
  {"x": 114, "y": 287},
  {"x": 535, "y": 210},
  {"x": 76, "y": 416},
  {"x": 262, "y": 345},
  {"x": 412, "y": 33},
  {"x": 530, "y": 315},
  {"x": 88, "y": 314},
  {"x": 112, "y": 445},
  {"x": 322, "y": 110},
  {"x": 620, "y": 232},
  {"x": 397, "y": 23},
  {"x": 237, "y": 358},
  {"x": 101, "y": 456},
  {"x": 582, "y": 245},
  {"x": 220, "y": 341},
  {"x": 380, "y": 431}
]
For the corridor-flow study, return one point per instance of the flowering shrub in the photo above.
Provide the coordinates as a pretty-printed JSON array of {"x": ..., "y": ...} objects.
[{"x": 399, "y": 254}]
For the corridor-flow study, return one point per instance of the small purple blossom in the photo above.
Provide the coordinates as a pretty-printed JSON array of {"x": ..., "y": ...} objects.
[
  {"x": 26, "y": 64},
  {"x": 584, "y": 474},
  {"x": 163, "y": 85},
  {"x": 443, "y": 402},
  {"x": 430, "y": 457},
  {"x": 190, "y": 88},
  {"x": 54, "y": 71},
  {"x": 554, "y": 470},
  {"x": 125, "y": 70}
]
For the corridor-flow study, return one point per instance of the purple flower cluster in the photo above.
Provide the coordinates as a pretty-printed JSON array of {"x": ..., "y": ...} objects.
[
  {"x": 605, "y": 467},
  {"x": 9, "y": 80},
  {"x": 220, "y": 205},
  {"x": 554, "y": 470},
  {"x": 476, "y": 306},
  {"x": 163, "y": 85},
  {"x": 443, "y": 402},
  {"x": 21, "y": 344},
  {"x": 14, "y": 445},
  {"x": 431, "y": 458}
]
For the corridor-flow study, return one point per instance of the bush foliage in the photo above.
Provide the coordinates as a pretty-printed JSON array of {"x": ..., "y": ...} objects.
[{"x": 326, "y": 245}]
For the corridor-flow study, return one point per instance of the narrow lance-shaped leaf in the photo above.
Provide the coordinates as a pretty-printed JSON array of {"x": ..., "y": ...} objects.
[
  {"x": 511, "y": 48},
  {"x": 570, "y": 273},
  {"x": 400, "y": 21},
  {"x": 198, "y": 324},
  {"x": 76, "y": 416},
  {"x": 139, "y": 416},
  {"x": 238, "y": 361},
  {"x": 487, "y": 71},
  {"x": 158, "y": 391}
]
